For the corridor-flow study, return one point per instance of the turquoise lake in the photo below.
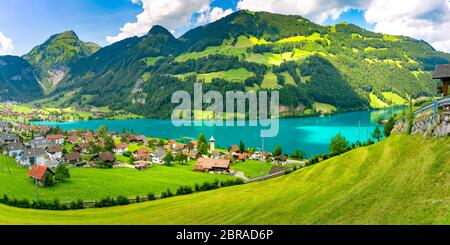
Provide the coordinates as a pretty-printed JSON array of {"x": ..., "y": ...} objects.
[{"x": 310, "y": 134}]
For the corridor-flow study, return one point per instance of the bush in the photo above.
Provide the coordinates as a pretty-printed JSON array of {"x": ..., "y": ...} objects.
[
  {"x": 184, "y": 190},
  {"x": 166, "y": 194},
  {"x": 121, "y": 200},
  {"x": 127, "y": 154},
  {"x": 77, "y": 204},
  {"x": 151, "y": 196}
]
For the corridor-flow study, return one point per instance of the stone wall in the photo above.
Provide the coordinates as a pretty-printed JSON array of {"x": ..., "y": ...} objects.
[{"x": 426, "y": 125}]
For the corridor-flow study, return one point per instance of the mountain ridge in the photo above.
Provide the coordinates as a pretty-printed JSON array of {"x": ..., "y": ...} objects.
[{"x": 249, "y": 51}]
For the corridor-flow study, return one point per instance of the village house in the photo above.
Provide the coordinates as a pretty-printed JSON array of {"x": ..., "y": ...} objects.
[
  {"x": 4, "y": 126},
  {"x": 140, "y": 139},
  {"x": 88, "y": 139},
  {"x": 40, "y": 173},
  {"x": 82, "y": 147},
  {"x": 221, "y": 166},
  {"x": 191, "y": 146},
  {"x": 54, "y": 152},
  {"x": 142, "y": 154},
  {"x": 158, "y": 155},
  {"x": 106, "y": 157},
  {"x": 6, "y": 138},
  {"x": 113, "y": 134},
  {"x": 234, "y": 149},
  {"x": 44, "y": 129},
  {"x": 172, "y": 144},
  {"x": 73, "y": 158},
  {"x": 57, "y": 139},
  {"x": 73, "y": 139},
  {"x": 14, "y": 150},
  {"x": 120, "y": 148},
  {"x": 39, "y": 142},
  {"x": 33, "y": 156}
]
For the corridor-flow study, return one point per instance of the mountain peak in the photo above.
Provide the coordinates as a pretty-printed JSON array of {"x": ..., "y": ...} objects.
[
  {"x": 157, "y": 29},
  {"x": 65, "y": 35}
]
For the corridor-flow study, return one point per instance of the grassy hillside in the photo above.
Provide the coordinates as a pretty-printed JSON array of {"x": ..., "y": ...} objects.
[
  {"x": 403, "y": 180},
  {"x": 94, "y": 184}
]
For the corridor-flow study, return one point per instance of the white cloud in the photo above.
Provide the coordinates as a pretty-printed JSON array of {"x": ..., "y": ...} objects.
[
  {"x": 172, "y": 14},
  {"x": 6, "y": 46},
  {"x": 316, "y": 10},
  {"x": 428, "y": 20},
  {"x": 211, "y": 15}
]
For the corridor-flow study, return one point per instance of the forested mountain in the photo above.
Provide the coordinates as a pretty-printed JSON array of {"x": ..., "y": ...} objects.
[
  {"x": 342, "y": 66},
  {"x": 52, "y": 59},
  {"x": 17, "y": 81}
]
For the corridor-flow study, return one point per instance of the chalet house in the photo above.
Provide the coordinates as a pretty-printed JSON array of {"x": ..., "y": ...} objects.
[
  {"x": 26, "y": 128},
  {"x": 73, "y": 139},
  {"x": 9, "y": 138},
  {"x": 241, "y": 156},
  {"x": 33, "y": 156},
  {"x": 442, "y": 72},
  {"x": 14, "y": 150},
  {"x": 158, "y": 155},
  {"x": 40, "y": 173},
  {"x": 113, "y": 134},
  {"x": 82, "y": 147},
  {"x": 54, "y": 152},
  {"x": 172, "y": 144},
  {"x": 179, "y": 148},
  {"x": 4, "y": 126},
  {"x": 142, "y": 155},
  {"x": 140, "y": 139},
  {"x": 106, "y": 157},
  {"x": 87, "y": 133},
  {"x": 191, "y": 146},
  {"x": 44, "y": 129},
  {"x": 73, "y": 158},
  {"x": 39, "y": 143},
  {"x": 121, "y": 148},
  {"x": 212, "y": 165},
  {"x": 280, "y": 159},
  {"x": 57, "y": 139},
  {"x": 88, "y": 139},
  {"x": 234, "y": 149}
]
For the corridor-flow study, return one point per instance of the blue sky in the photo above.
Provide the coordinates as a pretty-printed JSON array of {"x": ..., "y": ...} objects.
[{"x": 28, "y": 23}]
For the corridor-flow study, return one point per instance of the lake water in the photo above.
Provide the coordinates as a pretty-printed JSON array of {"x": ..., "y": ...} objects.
[{"x": 311, "y": 134}]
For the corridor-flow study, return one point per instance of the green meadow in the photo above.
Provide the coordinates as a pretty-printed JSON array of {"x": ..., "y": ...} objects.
[
  {"x": 94, "y": 184},
  {"x": 402, "y": 180}
]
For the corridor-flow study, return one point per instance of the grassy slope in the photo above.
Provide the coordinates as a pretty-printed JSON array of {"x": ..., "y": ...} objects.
[
  {"x": 93, "y": 184},
  {"x": 403, "y": 180}
]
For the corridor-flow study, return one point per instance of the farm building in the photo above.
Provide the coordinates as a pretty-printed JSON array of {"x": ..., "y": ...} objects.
[{"x": 212, "y": 165}]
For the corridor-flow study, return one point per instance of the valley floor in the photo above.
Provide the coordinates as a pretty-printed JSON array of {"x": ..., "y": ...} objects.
[{"x": 402, "y": 180}]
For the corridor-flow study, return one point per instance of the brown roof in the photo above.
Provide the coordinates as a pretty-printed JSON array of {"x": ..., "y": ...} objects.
[
  {"x": 54, "y": 148},
  {"x": 442, "y": 71},
  {"x": 38, "y": 172},
  {"x": 74, "y": 156},
  {"x": 73, "y": 138},
  {"x": 209, "y": 163},
  {"x": 107, "y": 157},
  {"x": 55, "y": 136},
  {"x": 235, "y": 148},
  {"x": 121, "y": 145}
]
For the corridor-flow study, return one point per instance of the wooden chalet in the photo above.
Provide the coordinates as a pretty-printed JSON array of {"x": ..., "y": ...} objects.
[{"x": 442, "y": 73}]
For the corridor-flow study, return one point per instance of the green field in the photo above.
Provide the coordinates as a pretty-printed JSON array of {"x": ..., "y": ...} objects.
[
  {"x": 252, "y": 168},
  {"x": 234, "y": 75},
  {"x": 402, "y": 180},
  {"x": 376, "y": 102},
  {"x": 93, "y": 184}
]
